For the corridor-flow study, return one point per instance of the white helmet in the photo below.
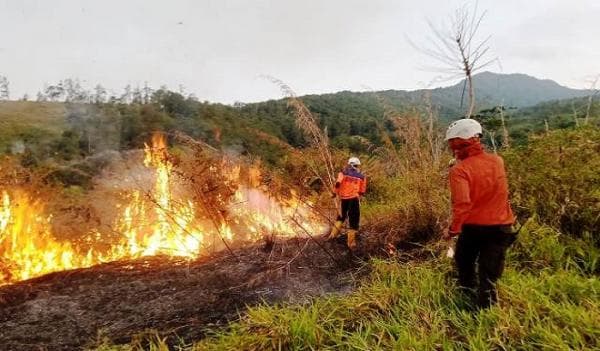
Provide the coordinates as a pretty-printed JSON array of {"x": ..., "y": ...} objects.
[
  {"x": 354, "y": 161},
  {"x": 465, "y": 128}
]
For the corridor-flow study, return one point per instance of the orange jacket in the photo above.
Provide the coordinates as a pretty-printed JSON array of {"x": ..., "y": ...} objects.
[
  {"x": 479, "y": 190},
  {"x": 350, "y": 183}
]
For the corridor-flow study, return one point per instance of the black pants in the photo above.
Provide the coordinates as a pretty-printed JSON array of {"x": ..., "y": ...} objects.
[
  {"x": 485, "y": 246},
  {"x": 351, "y": 210}
]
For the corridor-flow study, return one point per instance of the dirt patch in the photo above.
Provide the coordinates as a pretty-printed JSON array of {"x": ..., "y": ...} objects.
[{"x": 74, "y": 309}]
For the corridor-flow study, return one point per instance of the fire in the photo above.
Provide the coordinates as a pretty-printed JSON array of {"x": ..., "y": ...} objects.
[
  {"x": 170, "y": 229},
  {"x": 154, "y": 222},
  {"x": 27, "y": 246}
]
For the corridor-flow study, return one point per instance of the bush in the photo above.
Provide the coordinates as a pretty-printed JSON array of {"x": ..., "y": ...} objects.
[
  {"x": 541, "y": 247},
  {"x": 557, "y": 178},
  {"x": 413, "y": 206}
]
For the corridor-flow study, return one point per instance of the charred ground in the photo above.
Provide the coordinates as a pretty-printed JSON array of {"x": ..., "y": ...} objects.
[{"x": 176, "y": 298}]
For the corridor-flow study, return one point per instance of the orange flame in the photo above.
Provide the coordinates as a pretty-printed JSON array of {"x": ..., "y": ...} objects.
[
  {"x": 151, "y": 224},
  {"x": 28, "y": 249}
]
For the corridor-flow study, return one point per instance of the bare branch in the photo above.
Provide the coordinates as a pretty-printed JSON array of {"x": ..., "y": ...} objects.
[{"x": 458, "y": 48}]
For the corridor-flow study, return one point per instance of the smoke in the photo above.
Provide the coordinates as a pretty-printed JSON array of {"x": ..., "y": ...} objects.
[{"x": 99, "y": 128}]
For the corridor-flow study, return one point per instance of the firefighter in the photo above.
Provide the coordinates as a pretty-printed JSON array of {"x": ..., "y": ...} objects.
[
  {"x": 481, "y": 214},
  {"x": 350, "y": 185}
]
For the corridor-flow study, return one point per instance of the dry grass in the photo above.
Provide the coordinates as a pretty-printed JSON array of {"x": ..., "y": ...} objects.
[{"x": 318, "y": 138}]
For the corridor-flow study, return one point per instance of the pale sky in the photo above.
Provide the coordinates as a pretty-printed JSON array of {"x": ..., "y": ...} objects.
[{"x": 218, "y": 49}]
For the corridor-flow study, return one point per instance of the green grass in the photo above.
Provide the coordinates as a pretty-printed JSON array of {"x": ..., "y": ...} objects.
[{"x": 416, "y": 307}]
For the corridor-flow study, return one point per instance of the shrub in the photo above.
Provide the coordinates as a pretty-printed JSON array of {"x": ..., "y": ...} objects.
[
  {"x": 557, "y": 178},
  {"x": 541, "y": 247},
  {"x": 413, "y": 206}
]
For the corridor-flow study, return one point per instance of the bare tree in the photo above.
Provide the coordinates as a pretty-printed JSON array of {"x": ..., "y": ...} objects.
[{"x": 457, "y": 48}]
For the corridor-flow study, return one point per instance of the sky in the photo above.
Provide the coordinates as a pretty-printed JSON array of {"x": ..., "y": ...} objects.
[{"x": 220, "y": 50}]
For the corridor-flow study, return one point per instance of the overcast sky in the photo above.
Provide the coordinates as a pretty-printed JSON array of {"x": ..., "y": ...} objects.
[{"x": 218, "y": 49}]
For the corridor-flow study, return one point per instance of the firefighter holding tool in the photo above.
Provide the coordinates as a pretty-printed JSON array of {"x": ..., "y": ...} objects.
[
  {"x": 350, "y": 185},
  {"x": 481, "y": 214}
]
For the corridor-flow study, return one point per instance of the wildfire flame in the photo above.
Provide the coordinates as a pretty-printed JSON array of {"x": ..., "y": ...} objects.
[
  {"x": 150, "y": 224},
  {"x": 171, "y": 228},
  {"x": 27, "y": 246}
]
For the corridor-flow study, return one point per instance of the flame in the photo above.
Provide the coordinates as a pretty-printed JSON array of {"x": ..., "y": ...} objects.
[
  {"x": 153, "y": 223},
  {"x": 25, "y": 236},
  {"x": 171, "y": 228}
]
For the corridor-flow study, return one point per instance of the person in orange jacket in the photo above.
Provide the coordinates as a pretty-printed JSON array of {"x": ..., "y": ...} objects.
[
  {"x": 481, "y": 214},
  {"x": 350, "y": 185}
]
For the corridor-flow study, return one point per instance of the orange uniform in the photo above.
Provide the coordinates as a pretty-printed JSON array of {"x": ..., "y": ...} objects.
[
  {"x": 479, "y": 190},
  {"x": 350, "y": 183}
]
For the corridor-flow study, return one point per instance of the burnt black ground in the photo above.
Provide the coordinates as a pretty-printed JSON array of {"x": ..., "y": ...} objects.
[{"x": 182, "y": 299}]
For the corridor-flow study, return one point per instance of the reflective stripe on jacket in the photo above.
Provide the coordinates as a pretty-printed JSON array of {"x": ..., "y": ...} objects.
[
  {"x": 479, "y": 191},
  {"x": 350, "y": 183}
]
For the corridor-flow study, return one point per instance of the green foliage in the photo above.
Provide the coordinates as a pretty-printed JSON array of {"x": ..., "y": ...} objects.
[
  {"x": 415, "y": 202},
  {"x": 556, "y": 178},
  {"x": 67, "y": 147},
  {"x": 541, "y": 247},
  {"x": 557, "y": 114}
]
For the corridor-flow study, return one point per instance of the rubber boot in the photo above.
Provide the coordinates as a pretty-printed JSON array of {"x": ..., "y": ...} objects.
[
  {"x": 352, "y": 239},
  {"x": 335, "y": 230}
]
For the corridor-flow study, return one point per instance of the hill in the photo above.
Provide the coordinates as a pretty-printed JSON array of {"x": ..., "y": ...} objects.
[
  {"x": 71, "y": 130},
  {"x": 517, "y": 90}
]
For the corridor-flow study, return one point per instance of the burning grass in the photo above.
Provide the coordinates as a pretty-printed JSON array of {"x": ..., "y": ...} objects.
[{"x": 185, "y": 213}]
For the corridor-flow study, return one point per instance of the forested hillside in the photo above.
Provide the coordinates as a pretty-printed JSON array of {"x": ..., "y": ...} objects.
[{"x": 85, "y": 124}]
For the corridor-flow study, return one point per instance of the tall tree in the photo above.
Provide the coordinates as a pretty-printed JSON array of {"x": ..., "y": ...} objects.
[
  {"x": 99, "y": 94},
  {"x": 41, "y": 97},
  {"x": 147, "y": 93},
  {"x": 55, "y": 92},
  {"x": 126, "y": 97},
  {"x": 137, "y": 96}
]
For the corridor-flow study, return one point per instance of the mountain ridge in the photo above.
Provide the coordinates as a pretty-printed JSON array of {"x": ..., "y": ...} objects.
[{"x": 491, "y": 89}]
